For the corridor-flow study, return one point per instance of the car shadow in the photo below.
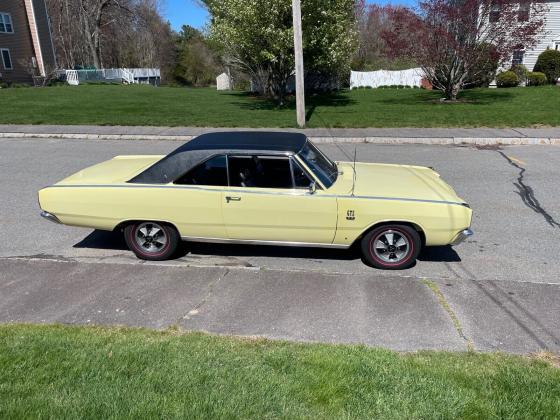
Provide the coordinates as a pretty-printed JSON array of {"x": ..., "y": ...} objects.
[
  {"x": 237, "y": 250},
  {"x": 99, "y": 239},
  {"x": 439, "y": 254}
]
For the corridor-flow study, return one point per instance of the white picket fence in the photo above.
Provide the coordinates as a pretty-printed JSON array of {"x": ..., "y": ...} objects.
[{"x": 374, "y": 79}]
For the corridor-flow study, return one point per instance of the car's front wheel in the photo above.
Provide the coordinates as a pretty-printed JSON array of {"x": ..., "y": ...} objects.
[
  {"x": 391, "y": 247},
  {"x": 153, "y": 241}
]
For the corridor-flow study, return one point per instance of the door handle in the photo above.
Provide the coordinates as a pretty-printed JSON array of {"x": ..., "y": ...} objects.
[{"x": 230, "y": 199}]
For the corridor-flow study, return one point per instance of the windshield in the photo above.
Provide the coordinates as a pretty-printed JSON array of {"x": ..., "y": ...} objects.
[{"x": 319, "y": 164}]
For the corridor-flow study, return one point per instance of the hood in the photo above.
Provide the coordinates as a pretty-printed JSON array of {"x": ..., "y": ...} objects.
[
  {"x": 117, "y": 170},
  {"x": 401, "y": 181}
]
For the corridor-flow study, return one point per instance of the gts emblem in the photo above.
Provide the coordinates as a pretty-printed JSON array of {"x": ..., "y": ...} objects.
[{"x": 350, "y": 215}]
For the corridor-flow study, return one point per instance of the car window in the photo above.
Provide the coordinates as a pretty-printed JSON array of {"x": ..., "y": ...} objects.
[
  {"x": 260, "y": 172},
  {"x": 213, "y": 172},
  {"x": 301, "y": 179},
  {"x": 319, "y": 164}
]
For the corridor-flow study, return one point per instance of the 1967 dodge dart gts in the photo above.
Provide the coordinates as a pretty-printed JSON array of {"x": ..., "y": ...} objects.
[{"x": 262, "y": 188}]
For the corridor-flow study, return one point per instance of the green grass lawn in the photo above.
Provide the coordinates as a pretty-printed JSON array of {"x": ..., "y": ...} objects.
[
  {"x": 167, "y": 106},
  {"x": 73, "y": 372}
]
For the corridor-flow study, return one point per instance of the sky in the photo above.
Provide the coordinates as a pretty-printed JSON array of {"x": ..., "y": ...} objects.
[{"x": 180, "y": 12}]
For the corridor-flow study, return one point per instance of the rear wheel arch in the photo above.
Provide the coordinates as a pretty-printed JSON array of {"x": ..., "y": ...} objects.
[{"x": 122, "y": 225}]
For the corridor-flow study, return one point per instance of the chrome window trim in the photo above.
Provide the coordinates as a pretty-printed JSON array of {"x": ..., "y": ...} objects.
[
  {"x": 252, "y": 191},
  {"x": 258, "y": 242}
]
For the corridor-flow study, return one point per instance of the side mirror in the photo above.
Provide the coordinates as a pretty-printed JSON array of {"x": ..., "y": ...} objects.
[{"x": 312, "y": 187}]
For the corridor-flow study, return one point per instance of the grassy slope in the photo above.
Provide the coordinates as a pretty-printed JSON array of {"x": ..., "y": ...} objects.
[
  {"x": 96, "y": 373},
  {"x": 144, "y": 105}
]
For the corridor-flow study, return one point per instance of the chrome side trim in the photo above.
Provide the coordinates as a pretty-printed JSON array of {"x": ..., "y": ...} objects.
[
  {"x": 50, "y": 217},
  {"x": 462, "y": 236},
  {"x": 267, "y": 243},
  {"x": 247, "y": 191}
]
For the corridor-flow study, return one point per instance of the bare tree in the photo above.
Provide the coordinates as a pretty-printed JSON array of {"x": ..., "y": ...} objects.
[{"x": 116, "y": 33}]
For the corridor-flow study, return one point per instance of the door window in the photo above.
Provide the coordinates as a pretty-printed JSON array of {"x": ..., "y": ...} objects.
[
  {"x": 301, "y": 179},
  {"x": 213, "y": 172},
  {"x": 260, "y": 172}
]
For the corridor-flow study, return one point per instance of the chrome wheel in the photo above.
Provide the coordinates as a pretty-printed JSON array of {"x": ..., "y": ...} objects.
[
  {"x": 150, "y": 237},
  {"x": 391, "y": 246}
]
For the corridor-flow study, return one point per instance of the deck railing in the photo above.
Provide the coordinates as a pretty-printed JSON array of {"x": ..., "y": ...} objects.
[{"x": 122, "y": 75}]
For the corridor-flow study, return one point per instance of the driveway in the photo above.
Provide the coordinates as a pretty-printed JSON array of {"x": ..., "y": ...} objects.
[{"x": 500, "y": 290}]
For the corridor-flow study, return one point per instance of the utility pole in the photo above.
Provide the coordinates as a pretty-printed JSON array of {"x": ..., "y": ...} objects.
[{"x": 298, "y": 48}]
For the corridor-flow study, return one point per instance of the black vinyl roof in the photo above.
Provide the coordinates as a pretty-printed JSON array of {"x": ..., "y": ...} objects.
[
  {"x": 247, "y": 140},
  {"x": 203, "y": 147}
]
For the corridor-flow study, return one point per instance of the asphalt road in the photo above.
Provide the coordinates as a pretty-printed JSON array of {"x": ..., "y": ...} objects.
[
  {"x": 515, "y": 194},
  {"x": 499, "y": 291}
]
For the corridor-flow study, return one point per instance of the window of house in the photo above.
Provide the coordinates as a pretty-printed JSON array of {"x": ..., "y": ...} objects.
[
  {"x": 523, "y": 12},
  {"x": 6, "y": 23},
  {"x": 260, "y": 172},
  {"x": 6, "y": 59},
  {"x": 517, "y": 57},
  {"x": 213, "y": 172},
  {"x": 495, "y": 10}
]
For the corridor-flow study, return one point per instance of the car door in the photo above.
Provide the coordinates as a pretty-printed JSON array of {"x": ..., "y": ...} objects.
[
  {"x": 269, "y": 199},
  {"x": 197, "y": 200}
]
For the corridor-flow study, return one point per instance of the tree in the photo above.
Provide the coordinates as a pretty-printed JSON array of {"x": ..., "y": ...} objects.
[
  {"x": 373, "y": 52},
  {"x": 448, "y": 35},
  {"x": 111, "y": 33},
  {"x": 257, "y": 37},
  {"x": 197, "y": 63}
]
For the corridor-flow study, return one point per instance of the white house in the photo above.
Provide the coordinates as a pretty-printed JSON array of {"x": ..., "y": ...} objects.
[{"x": 549, "y": 39}]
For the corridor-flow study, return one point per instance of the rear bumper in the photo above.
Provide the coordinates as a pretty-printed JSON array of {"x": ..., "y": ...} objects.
[
  {"x": 462, "y": 236},
  {"x": 50, "y": 217}
]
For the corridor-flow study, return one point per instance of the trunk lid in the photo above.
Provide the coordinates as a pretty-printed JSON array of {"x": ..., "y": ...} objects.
[{"x": 120, "y": 169}]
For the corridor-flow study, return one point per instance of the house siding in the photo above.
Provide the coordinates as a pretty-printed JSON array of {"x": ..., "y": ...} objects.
[
  {"x": 551, "y": 35},
  {"x": 20, "y": 43}
]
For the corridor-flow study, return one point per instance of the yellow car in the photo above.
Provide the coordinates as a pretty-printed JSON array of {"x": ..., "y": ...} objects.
[{"x": 262, "y": 188}]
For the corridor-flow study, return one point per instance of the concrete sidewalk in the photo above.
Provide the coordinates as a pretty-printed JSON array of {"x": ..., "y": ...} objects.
[
  {"x": 318, "y": 135},
  {"x": 399, "y": 313}
]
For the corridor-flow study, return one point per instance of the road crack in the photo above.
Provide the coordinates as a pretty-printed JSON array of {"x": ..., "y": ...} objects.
[
  {"x": 527, "y": 193},
  {"x": 196, "y": 308},
  {"x": 447, "y": 308}
]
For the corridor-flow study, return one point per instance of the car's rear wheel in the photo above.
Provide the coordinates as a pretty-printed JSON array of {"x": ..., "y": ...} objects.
[
  {"x": 391, "y": 247},
  {"x": 153, "y": 241}
]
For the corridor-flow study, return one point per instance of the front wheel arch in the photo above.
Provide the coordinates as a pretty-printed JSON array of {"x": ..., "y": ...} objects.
[{"x": 415, "y": 226}]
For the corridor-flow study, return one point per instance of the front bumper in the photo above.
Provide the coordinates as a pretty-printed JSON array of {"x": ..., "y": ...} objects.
[
  {"x": 462, "y": 236},
  {"x": 50, "y": 217}
]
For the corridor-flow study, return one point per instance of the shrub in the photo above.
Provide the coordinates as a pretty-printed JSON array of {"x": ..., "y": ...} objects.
[
  {"x": 549, "y": 64},
  {"x": 521, "y": 71},
  {"x": 507, "y": 79},
  {"x": 535, "y": 78}
]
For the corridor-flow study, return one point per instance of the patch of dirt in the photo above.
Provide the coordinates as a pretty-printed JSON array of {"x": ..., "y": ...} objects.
[{"x": 552, "y": 359}]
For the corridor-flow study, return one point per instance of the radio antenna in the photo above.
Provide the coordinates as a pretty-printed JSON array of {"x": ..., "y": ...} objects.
[{"x": 354, "y": 169}]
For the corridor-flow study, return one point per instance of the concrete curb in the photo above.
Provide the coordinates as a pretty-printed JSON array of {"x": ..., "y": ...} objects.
[{"x": 315, "y": 139}]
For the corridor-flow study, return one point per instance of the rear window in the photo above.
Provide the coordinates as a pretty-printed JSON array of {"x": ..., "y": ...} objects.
[{"x": 213, "y": 172}]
